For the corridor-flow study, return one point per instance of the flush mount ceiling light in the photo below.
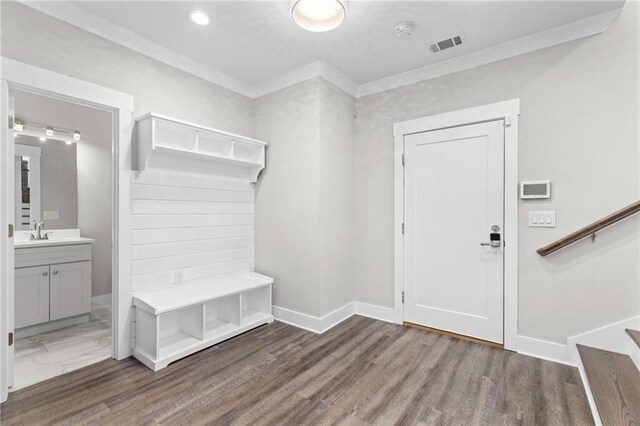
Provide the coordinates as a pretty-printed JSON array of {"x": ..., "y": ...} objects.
[
  {"x": 199, "y": 17},
  {"x": 318, "y": 15}
]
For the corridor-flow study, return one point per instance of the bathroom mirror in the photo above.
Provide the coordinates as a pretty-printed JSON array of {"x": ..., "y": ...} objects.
[{"x": 46, "y": 183}]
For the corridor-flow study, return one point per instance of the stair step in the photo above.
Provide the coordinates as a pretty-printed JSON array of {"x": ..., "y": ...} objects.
[
  {"x": 635, "y": 335},
  {"x": 615, "y": 384}
]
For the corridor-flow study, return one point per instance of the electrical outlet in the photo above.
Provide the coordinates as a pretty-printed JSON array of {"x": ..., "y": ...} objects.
[{"x": 177, "y": 276}]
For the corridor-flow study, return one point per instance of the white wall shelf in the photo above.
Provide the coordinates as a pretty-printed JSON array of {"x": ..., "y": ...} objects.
[
  {"x": 169, "y": 143},
  {"x": 176, "y": 321}
]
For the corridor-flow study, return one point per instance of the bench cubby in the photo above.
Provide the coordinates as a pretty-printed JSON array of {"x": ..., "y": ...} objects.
[{"x": 176, "y": 321}]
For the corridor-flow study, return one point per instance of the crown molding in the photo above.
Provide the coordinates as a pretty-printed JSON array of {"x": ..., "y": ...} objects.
[
  {"x": 579, "y": 29},
  {"x": 78, "y": 17},
  {"x": 313, "y": 70},
  {"x": 92, "y": 23}
]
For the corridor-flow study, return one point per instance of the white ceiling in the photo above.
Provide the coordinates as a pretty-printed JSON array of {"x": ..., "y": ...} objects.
[{"x": 254, "y": 41}]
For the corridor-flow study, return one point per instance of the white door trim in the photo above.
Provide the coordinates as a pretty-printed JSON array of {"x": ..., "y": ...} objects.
[
  {"x": 509, "y": 112},
  {"x": 18, "y": 75}
]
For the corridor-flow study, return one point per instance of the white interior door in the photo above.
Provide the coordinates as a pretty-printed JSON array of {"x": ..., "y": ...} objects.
[
  {"x": 6, "y": 240},
  {"x": 454, "y": 190}
]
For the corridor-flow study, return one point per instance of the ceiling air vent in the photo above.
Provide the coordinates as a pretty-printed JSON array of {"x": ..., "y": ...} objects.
[{"x": 446, "y": 44}]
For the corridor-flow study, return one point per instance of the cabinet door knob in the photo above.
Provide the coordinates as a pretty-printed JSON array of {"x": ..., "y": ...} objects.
[
  {"x": 55, "y": 272},
  {"x": 45, "y": 273}
]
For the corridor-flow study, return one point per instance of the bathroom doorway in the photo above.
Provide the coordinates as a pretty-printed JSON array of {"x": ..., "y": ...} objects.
[
  {"x": 63, "y": 237},
  {"x": 65, "y": 286}
]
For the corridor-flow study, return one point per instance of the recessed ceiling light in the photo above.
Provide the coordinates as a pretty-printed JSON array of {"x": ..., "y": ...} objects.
[
  {"x": 199, "y": 17},
  {"x": 318, "y": 15}
]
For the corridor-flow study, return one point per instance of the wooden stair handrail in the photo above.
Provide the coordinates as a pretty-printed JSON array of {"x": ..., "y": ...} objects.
[{"x": 590, "y": 229}]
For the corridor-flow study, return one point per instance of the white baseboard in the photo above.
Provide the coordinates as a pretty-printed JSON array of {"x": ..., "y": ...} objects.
[
  {"x": 381, "y": 313},
  {"x": 543, "y": 349},
  {"x": 103, "y": 299},
  {"x": 321, "y": 324},
  {"x": 590, "y": 399},
  {"x": 312, "y": 323},
  {"x": 612, "y": 337}
]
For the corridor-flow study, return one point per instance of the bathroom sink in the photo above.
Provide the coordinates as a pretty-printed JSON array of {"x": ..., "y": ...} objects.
[{"x": 52, "y": 242}]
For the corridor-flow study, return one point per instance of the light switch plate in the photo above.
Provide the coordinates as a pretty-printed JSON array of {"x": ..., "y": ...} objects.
[
  {"x": 51, "y": 215},
  {"x": 542, "y": 219}
]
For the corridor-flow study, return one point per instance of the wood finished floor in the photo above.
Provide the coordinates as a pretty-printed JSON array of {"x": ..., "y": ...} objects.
[{"x": 361, "y": 372}]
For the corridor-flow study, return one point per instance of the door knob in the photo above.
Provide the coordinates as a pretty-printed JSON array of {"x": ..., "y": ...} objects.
[
  {"x": 55, "y": 272},
  {"x": 494, "y": 238},
  {"x": 45, "y": 273},
  {"x": 491, "y": 244}
]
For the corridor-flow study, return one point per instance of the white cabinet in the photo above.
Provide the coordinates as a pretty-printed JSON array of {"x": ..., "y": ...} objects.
[
  {"x": 70, "y": 290},
  {"x": 52, "y": 283},
  {"x": 176, "y": 321},
  {"x": 169, "y": 143},
  {"x": 31, "y": 295}
]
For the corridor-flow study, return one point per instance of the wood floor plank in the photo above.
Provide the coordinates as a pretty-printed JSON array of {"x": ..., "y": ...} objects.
[
  {"x": 361, "y": 372},
  {"x": 615, "y": 383}
]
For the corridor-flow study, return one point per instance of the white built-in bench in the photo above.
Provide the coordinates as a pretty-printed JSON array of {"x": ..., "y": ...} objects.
[{"x": 176, "y": 321}]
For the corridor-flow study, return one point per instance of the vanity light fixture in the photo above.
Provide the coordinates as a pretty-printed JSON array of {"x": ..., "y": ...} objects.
[
  {"x": 199, "y": 17},
  {"x": 318, "y": 15},
  {"x": 45, "y": 133}
]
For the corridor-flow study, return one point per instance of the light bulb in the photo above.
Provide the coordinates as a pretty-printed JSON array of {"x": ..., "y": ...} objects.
[
  {"x": 318, "y": 15},
  {"x": 76, "y": 135},
  {"x": 49, "y": 131},
  {"x": 199, "y": 17}
]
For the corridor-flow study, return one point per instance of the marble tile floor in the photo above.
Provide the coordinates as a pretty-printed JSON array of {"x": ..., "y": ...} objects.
[{"x": 53, "y": 353}]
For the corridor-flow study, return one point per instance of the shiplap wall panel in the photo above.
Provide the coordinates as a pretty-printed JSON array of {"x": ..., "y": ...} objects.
[
  {"x": 152, "y": 251},
  {"x": 157, "y": 192},
  {"x": 180, "y": 207},
  {"x": 200, "y": 225},
  {"x": 160, "y": 279},
  {"x": 189, "y": 221},
  {"x": 152, "y": 236}
]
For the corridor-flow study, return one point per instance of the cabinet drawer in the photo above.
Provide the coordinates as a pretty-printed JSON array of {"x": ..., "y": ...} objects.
[{"x": 38, "y": 256}]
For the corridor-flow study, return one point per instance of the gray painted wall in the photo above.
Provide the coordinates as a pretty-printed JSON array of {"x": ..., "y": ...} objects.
[
  {"x": 95, "y": 197},
  {"x": 287, "y": 202},
  {"x": 579, "y": 128},
  {"x": 304, "y": 199}
]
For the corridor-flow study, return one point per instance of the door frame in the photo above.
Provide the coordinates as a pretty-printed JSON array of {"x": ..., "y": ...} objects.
[
  {"x": 20, "y": 76},
  {"x": 507, "y": 111}
]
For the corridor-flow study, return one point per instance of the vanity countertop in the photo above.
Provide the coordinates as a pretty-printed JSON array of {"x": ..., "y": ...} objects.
[{"x": 18, "y": 244}]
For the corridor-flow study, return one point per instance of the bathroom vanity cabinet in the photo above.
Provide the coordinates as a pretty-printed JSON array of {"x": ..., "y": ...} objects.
[{"x": 52, "y": 282}]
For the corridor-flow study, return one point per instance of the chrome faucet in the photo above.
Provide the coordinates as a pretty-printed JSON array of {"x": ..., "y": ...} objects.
[{"x": 38, "y": 226}]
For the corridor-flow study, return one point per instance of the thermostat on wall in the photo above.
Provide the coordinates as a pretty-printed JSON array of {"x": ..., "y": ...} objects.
[{"x": 535, "y": 189}]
